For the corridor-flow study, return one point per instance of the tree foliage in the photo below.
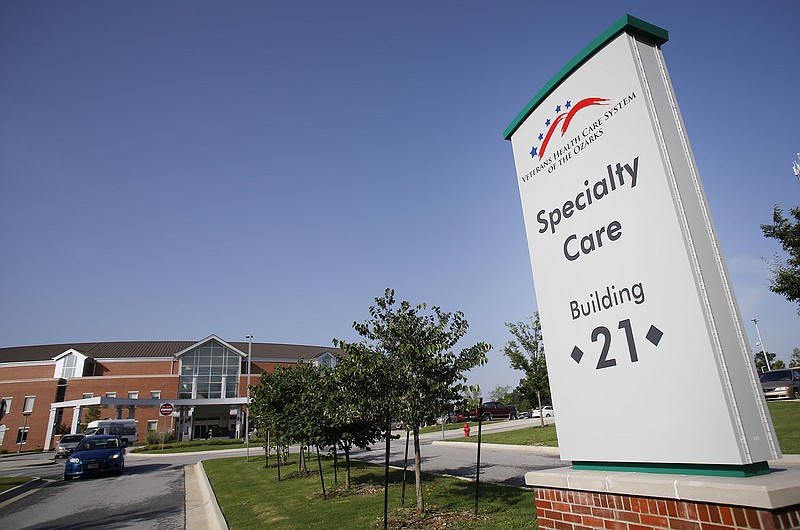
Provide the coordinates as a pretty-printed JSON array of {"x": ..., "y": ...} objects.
[
  {"x": 526, "y": 352},
  {"x": 408, "y": 353},
  {"x": 761, "y": 364},
  {"x": 786, "y": 281},
  {"x": 501, "y": 394},
  {"x": 794, "y": 361}
]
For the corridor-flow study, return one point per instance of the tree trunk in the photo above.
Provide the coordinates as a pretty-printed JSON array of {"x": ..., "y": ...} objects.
[
  {"x": 418, "y": 471},
  {"x": 347, "y": 466},
  {"x": 541, "y": 412}
]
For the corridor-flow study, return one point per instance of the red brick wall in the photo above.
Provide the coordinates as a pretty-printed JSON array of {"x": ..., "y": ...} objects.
[
  {"x": 99, "y": 386},
  {"x": 11, "y": 373},
  {"x": 576, "y": 510},
  {"x": 136, "y": 368},
  {"x": 45, "y": 392}
]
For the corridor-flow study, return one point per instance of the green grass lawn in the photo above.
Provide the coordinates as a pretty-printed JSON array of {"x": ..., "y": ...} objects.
[
  {"x": 535, "y": 436},
  {"x": 6, "y": 483},
  {"x": 250, "y": 496},
  {"x": 786, "y": 419}
]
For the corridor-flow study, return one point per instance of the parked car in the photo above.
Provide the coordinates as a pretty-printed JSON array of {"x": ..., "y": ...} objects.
[
  {"x": 67, "y": 444},
  {"x": 525, "y": 414},
  {"x": 546, "y": 410},
  {"x": 493, "y": 410},
  {"x": 781, "y": 384},
  {"x": 447, "y": 418},
  {"x": 96, "y": 455}
]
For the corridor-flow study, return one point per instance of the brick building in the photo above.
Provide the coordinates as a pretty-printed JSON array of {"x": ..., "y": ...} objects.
[{"x": 47, "y": 389}]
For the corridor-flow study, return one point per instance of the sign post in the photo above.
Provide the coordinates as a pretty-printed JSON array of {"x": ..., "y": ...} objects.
[
  {"x": 166, "y": 409},
  {"x": 648, "y": 360}
]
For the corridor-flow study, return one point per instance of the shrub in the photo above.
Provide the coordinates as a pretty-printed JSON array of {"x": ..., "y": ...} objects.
[{"x": 159, "y": 437}]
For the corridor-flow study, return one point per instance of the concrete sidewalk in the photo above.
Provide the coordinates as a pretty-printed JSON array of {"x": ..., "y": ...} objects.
[{"x": 201, "y": 510}]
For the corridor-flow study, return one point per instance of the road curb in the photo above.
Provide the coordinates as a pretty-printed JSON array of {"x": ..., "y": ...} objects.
[
  {"x": 18, "y": 491},
  {"x": 536, "y": 449},
  {"x": 202, "y": 509}
]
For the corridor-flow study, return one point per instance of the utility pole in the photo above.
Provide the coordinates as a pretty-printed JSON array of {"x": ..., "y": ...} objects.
[
  {"x": 247, "y": 415},
  {"x": 761, "y": 341}
]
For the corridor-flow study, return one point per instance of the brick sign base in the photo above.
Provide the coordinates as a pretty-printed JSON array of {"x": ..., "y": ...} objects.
[{"x": 674, "y": 502}]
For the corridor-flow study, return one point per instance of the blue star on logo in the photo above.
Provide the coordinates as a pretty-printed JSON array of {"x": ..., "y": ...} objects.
[
  {"x": 568, "y": 104},
  {"x": 558, "y": 108},
  {"x": 541, "y": 137},
  {"x": 547, "y": 123},
  {"x": 533, "y": 152}
]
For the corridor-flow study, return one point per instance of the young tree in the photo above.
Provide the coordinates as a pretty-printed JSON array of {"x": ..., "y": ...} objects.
[
  {"x": 287, "y": 402},
  {"x": 778, "y": 364},
  {"x": 90, "y": 414},
  {"x": 787, "y": 273},
  {"x": 409, "y": 353},
  {"x": 526, "y": 352},
  {"x": 471, "y": 397},
  {"x": 794, "y": 361},
  {"x": 351, "y": 414},
  {"x": 761, "y": 364},
  {"x": 501, "y": 394}
]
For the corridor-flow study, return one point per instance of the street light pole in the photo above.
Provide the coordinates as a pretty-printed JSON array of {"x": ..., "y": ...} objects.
[
  {"x": 247, "y": 415},
  {"x": 24, "y": 431},
  {"x": 761, "y": 341}
]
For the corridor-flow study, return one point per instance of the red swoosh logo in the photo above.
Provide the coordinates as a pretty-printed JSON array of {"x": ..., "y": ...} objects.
[{"x": 566, "y": 117}]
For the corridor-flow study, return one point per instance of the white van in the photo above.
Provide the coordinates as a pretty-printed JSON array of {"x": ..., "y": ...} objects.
[{"x": 125, "y": 429}]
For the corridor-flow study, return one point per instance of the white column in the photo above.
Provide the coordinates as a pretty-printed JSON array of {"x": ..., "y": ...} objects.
[
  {"x": 76, "y": 417},
  {"x": 50, "y": 425}
]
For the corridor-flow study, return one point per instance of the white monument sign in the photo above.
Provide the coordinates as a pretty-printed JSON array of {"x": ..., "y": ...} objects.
[{"x": 648, "y": 360}]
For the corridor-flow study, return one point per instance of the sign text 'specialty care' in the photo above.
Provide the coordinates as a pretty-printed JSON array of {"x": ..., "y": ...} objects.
[{"x": 620, "y": 176}]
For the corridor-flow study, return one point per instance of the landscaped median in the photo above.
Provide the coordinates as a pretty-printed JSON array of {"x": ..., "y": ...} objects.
[
  {"x": 785, "y": 418},
  {"x": 251, "y": 496},
  {"x": 6, "y": 483}
]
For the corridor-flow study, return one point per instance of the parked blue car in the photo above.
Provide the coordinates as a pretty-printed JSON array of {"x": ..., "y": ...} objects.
[{"x": 96, "y": 455}]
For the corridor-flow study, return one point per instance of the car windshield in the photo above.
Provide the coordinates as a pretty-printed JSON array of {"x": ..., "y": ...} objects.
[
  {"x": 778, "y": 375},
  {"x": 72, "y": 438},
  {"x": 99, "y": 443}
]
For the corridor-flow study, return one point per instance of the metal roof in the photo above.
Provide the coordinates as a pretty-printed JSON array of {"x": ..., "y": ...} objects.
[{"x": 155, "y": 349}]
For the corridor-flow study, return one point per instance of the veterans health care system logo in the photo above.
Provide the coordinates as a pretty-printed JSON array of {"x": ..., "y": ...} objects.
[
  {"x": 549, "y": 154},
  {"x": 570, "y": 111}
]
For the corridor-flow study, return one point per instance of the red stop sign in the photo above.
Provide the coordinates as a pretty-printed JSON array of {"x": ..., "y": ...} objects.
[{"x": 166, "y": 409}]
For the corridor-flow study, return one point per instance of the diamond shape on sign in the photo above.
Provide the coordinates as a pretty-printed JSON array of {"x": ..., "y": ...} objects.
[
  {"x": 577, "y": 354},
  {"x": 654, "y": 335}
]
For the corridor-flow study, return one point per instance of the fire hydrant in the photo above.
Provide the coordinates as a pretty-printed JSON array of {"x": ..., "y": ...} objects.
[{"x": 466, "y": 430}]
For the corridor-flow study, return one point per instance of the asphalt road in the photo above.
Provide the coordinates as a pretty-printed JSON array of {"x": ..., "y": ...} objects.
[
  {"x": 500, "y": 466},
  {"x": 150, "y": 492}
]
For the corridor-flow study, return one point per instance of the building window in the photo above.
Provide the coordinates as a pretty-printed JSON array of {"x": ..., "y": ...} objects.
[
  {"x": 87, "y": 395},
  {"x": 209, "y": 371},
  {"x": 7, "y": 408},
  {"x": 22, "y": 435},
  {"x": 3, "y": 429},
  {"x": 28, "y": 405},
  {"x": 69, "y": 366},
  {"x": 155, "y": 394},
  {"x": 152, "y": 425},
  {"x": 111, "y": 394},
  {"x": 133, "y": 395}
]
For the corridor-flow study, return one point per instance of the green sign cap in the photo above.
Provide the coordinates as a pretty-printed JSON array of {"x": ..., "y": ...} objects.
[{"x": 627, "y": 24}]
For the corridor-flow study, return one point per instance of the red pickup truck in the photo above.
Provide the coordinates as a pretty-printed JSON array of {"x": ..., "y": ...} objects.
[{"x": 493, "y": 410}]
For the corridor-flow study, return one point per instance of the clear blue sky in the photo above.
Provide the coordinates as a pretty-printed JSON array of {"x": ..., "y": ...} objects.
[{"x": 175, "y": 169}]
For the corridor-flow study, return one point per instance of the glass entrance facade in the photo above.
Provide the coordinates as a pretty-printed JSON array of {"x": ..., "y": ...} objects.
[{"x": 209, "y": 371}]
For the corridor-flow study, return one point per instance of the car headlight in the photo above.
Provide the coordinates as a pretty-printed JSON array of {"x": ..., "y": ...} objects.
[
  {"x": 114, "y": 456},
  {"x": 74, "y": 460},
  {"x": 779, "y": 388}
]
